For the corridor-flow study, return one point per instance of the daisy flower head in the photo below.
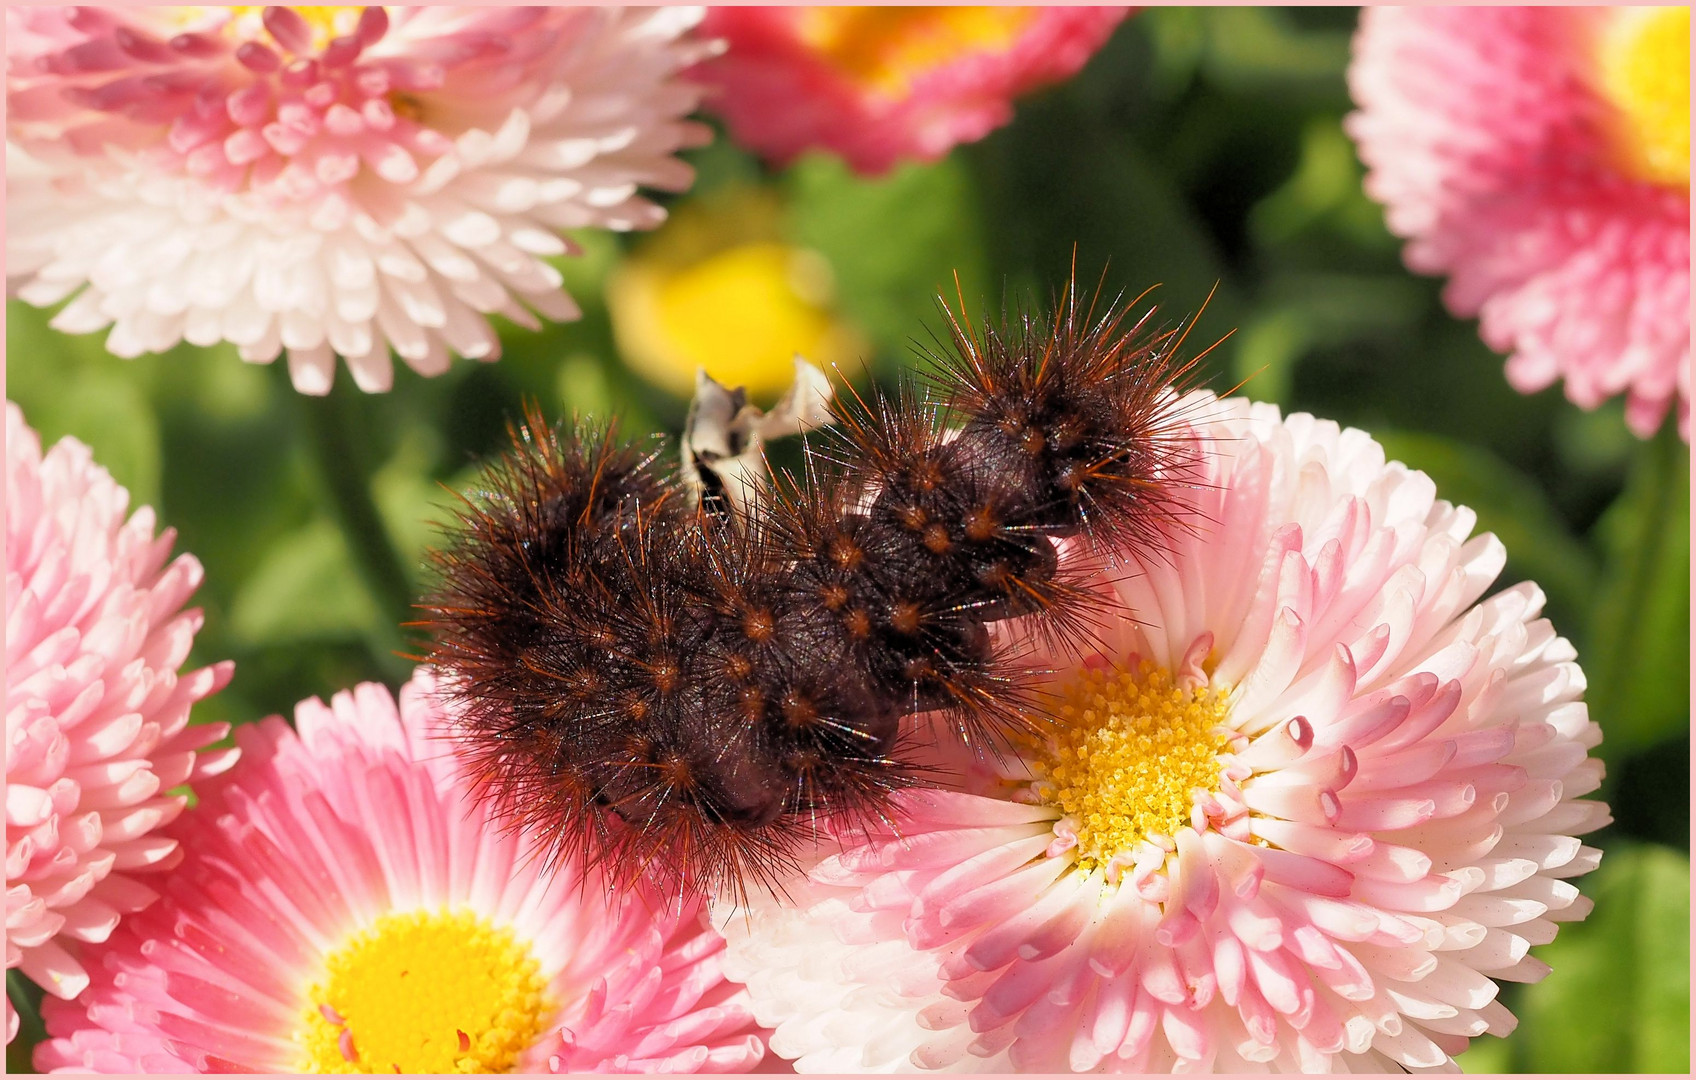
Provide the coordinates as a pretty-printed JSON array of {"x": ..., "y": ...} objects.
[
  {"x": 1540, "y": 158},
  {"x": 97, "y": 731},
  {"x": 880, "y": 84},
  {"x": 331, "y": 180},
  {"x": 345, "y": 906},
  {"x": 1311, "y": 799}
]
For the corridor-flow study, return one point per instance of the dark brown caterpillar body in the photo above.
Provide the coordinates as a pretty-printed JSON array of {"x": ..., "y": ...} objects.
[{"x": 658, "y": 691}]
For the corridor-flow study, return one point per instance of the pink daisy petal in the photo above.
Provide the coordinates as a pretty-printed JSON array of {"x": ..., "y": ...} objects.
[
  {"x": 1509, "y": 152},
  {"x": 877, "y": 85},
  {"x": 332, "y": 864},
  {"x": 332, "y": 181},
  {"x": 1317, "y": 856},
  {"x": 96, "y": 710}
]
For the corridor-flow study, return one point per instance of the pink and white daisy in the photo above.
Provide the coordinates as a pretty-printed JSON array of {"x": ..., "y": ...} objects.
[
  {"x": 345, "y": 906},
  {"x": 331, "y": 180},
  {"x": 1312, "y": 799},
  {"x": 1540, "y": 157},
  {"x": 97, "y": 730},
  {"x": 879, "y": 84}
]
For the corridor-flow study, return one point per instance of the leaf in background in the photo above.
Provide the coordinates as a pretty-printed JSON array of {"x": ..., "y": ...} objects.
[
  {"x": 894, "y": 242},
  {"x": 1509, "y": 504},
  {"x": 412, "y": 504},
  {"x": 1325, "y": 177},
  {"x": 81, "y": 390},
  {"x": 1324, "y": 190},
  {"x": 1117, "y": 207},
  {"x": 583, "y": 386},
  {"x": 1487, "y": 1055},
  {"x": 1178, "y": 36},
  {"x": 1618, "y": 998},
  {"x": 1596, "y": 441},
  {"x": 25, "y": 997},
  {"x": 585, "y": 273},
  {"x": 1637, "y": 654},
  {"x": 1268, "y": 348},
  {"x": 1297, "y": 313},
  {"x": 304, "y": 588},
  {"x": 1259, "y": 48}
]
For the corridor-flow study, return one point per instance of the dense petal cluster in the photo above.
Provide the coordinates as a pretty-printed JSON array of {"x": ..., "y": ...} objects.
[
  {"x": 335, "y": 180},
  {"x": 342, "y": 857},
  {"x": 97, "y": 731},
  {"x": 1539, "y": 157},
  {"x": 878, "y": 85},
  {"x": 1387, "y": 826}
]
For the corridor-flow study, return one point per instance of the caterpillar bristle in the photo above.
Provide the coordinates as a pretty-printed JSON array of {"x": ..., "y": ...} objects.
[
  {"x": 663, "y": 692},
  {"x": 1077, "y": 405}
]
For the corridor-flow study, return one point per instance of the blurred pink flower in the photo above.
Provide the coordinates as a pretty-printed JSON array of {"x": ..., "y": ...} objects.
[
  {"x": 345, "y": 857},
  {"x": 97, "y": 727},
  {"x": 878, "y": 84},
  {"x": 1540, "y": 157},
  {"x": 331, "y": 180},
  {"x": 1309, "y": 801}
]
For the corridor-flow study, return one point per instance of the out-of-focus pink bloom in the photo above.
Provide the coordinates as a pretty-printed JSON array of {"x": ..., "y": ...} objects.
[
  {"x": 346, "y": 906},
  {"x": 331, "y": 180},
  {"x": 879, "y": 84},
  {"x": 1310, "y": 801},
  {"x": 1540, "y": 157},
  {"x": 97, "y": 730}
]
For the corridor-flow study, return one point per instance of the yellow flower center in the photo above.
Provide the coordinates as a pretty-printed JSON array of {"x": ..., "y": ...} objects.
[
  {"x": 1643, "y": 66},
  {"x": 886, "y": 48},
  {"x": 426, "y": 992},
  {"x": 1127, "y": 751},
  {"x": 742, "y": 313}
]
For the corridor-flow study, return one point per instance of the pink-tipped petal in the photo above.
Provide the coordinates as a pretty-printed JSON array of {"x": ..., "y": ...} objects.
[
  {"x": 1493, "y": 146},
  {"x": 356, "y": 814},
  {"x": 1385, "y": 833},
  {"x": 276, "y": 144},
  {"x": 96, "y": 708}
]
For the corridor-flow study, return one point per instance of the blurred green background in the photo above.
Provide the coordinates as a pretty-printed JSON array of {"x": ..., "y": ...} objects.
[{"x": 1200, "y": 148}]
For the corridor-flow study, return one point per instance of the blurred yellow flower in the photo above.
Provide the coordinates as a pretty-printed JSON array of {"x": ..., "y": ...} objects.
[
  {"x": 718, "y": 289},
  {"x": 1644, "y": 59}
]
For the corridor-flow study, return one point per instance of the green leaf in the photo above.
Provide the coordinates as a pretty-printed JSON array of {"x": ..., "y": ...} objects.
[
  {"x": 69, "y": 385},
  {"x": 412, "y": 505},
  {"x": 1487, "y": 1055},
  {"x": 305, "y": 588},
  {"x": 1268, "y": 349},
  {"x": 1254, "y": 49},
  {"x": 1177, "y": 38},
  {"x": 1118, "y": 209},
  {"x": 894, "y": 242},
  {"x": 1618, "y": 997},
  {"x": 585, "y": 273},
  {"x": 1637, "y": 654},
  {"x": 1509, "y": 504},
  {"x": 584, "y": 387},
  {"x": 1325, "y": 177}
]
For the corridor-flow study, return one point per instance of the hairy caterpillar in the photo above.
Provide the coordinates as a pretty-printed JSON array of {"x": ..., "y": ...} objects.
[{"x": 659, "y": 689}]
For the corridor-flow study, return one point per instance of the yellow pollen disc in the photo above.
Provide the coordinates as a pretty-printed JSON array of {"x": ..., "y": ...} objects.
[
  {"x": 885, "y": 48},
  {"x": 426, "y": 992},
  {"x": 1643, "y": 64},
  {"x": 1127, "y": 750}
]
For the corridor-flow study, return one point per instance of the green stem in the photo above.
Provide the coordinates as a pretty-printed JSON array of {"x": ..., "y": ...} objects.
[
  {"x": 26, "y": 999},
  {"x": 345, "y": 467},
  {"x": 1658, "y": 469}
]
